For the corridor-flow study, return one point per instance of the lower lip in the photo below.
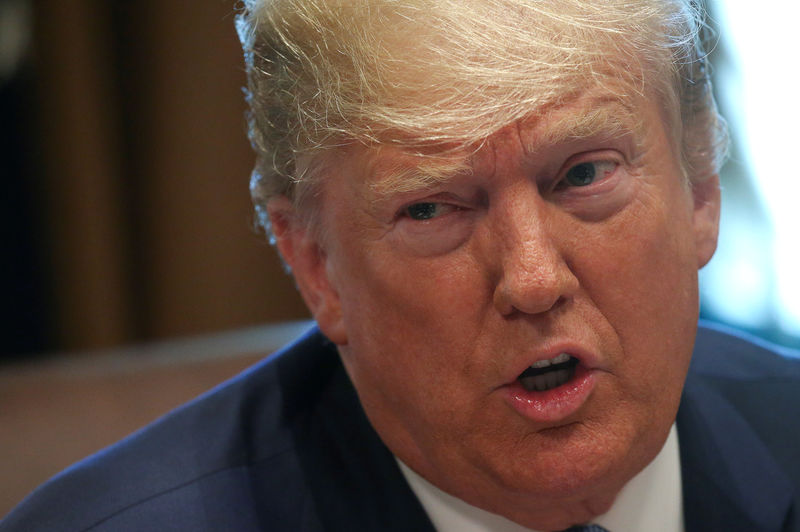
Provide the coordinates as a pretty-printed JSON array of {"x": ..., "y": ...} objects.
[{"x": 552, "y": 405}]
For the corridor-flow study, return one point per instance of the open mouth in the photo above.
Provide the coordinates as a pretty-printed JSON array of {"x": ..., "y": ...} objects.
[{"x": 548, "y": 374}]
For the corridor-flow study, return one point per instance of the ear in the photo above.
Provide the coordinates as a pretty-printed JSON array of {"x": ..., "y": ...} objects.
[
  {"x": 706, "y": 218},
  {"x": 307, "y": 259}
]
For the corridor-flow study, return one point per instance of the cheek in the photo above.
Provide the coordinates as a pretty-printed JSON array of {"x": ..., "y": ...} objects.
[
  {"x": 387, "y": 286},
  {"x": 411, "y": 323},
  {"x": 646, "y": 254},
  {"x": 646, "y": 289}
]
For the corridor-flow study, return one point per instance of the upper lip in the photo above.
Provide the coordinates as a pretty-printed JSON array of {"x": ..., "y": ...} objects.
[{"x": 586, "y": 357}]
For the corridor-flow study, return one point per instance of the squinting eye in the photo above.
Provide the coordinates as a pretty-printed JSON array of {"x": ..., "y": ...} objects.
[
  {"x": 584, "y": 174},
  {"x": 423, "y": 211}
]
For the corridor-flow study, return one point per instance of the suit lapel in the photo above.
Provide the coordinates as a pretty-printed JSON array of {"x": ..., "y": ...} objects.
[
  {"x": 730, "y": 480},
  {"x": 353, "y": 478}
]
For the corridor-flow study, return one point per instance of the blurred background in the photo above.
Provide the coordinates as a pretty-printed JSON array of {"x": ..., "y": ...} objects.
[
  {"x": 127, "y": 226},
  {"x": 753, "y": 282},
  {"x": 132, "y": 279},
  {"x": 125, "y": 208}
]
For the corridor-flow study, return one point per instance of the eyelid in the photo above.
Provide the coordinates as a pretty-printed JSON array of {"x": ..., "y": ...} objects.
[
  {"x": 441, "y": 198},
  {"x": 442, "y": 209},
  {"x": 595, "y": 156}
]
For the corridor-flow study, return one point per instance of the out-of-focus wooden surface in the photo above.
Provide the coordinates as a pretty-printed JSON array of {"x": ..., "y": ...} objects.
[{"x": 57, "y": 411}]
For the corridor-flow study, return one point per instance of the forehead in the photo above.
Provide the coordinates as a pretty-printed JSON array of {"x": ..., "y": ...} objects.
[{"x": 592, "y": 117}]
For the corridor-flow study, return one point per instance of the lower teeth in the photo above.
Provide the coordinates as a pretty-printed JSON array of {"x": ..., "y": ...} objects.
[{"x": 547, "y": 381}]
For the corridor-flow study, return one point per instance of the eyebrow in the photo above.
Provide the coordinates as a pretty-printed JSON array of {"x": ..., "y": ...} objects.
[
  {"x": 419, "y": 172},
  {"x": 606, "y": 118}
]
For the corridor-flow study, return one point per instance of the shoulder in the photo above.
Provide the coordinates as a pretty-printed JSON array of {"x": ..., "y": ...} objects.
[
  {"x": 193, "y": 467},
  {"x": 759, "y": 381},
  {"x": 725, "y": 354},
  {"x": 737, "y": 435}
]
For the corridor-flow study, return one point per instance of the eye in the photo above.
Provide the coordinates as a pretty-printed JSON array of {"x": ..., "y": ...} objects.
[
  {"x": 427, "y": 210},
  {"x": 586, "y": 173},
  {"x": 434, "y": 225}
]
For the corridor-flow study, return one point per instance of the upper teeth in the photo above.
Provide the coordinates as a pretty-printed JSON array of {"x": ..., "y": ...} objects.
[{"x": 562, "y": 357}]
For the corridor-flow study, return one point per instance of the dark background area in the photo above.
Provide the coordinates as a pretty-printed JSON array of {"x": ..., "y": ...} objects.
[{"x": 125, "y": 208}]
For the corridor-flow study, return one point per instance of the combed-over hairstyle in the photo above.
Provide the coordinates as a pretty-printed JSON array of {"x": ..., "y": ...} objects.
[{"x": 324, "y": 73}]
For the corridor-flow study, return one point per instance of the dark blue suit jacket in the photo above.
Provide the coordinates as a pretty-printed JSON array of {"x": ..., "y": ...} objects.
[{"x": 286, "y": 447}]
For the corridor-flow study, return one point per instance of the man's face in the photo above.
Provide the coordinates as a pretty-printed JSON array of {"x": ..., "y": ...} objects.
[{"x": 441, "y": 297}]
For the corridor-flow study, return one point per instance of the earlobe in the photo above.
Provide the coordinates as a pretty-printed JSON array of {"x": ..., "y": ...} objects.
[
  {"x": 307, "y": 259},
  {"x": 706, "y": 195}
]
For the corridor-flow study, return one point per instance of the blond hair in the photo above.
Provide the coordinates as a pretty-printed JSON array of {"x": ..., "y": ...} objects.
[{"x": 325, "y": 73}]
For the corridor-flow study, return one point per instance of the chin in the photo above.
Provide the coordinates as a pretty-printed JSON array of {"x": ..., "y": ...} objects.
[
  {"x": 543, "y": 497},
  {"x": 573, "y": 464}
]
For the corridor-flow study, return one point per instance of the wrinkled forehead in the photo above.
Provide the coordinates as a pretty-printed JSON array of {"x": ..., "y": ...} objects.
[{"x": 593, "y": 118}]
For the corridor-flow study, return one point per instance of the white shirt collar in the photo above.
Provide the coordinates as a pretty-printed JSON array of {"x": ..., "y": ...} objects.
[{"x": 652, "y": 500}]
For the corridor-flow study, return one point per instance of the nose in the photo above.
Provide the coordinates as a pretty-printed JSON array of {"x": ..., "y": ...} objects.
[{"x": 535, "y": 275}]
